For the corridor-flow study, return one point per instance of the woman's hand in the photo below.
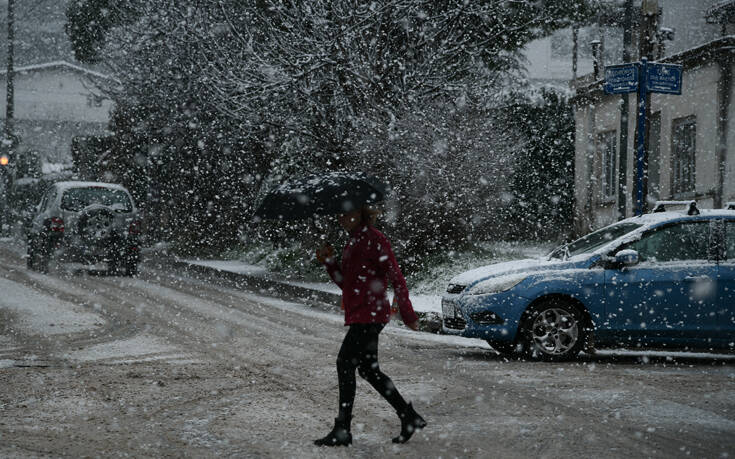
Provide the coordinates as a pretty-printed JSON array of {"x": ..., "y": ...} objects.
[
  {"x": 325, "y": 254},
  {"x": 413, "y": 325}
]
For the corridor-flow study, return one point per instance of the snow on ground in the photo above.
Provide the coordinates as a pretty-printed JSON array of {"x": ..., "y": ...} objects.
[
  {"x": 231, "y": 266},
  {"x": 44, "y": 314},
  {"x": 146, "y": 346},
  {"x": 39, "y": 313},
  {"x": 328, "y": 287},
  {"x": 393, "y": 328},
  {"x": 666, "y": 354},
  {"x": 421, "y": 302}
]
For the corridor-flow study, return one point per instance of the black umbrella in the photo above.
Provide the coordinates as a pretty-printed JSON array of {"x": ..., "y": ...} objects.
[{"x": 327, "y": 194}]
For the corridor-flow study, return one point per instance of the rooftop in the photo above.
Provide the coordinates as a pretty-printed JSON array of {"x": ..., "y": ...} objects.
[{"x": 58, "y": 65}]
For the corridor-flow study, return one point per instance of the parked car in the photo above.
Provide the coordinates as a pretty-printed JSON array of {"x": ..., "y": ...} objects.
[
  {"x": 26, "y": 192},
  {"x": 664, "y": 280},
  {"x": 85, "y": 222}
]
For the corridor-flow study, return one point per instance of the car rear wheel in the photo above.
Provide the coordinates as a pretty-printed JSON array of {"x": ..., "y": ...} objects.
[
  {"x": 553, "y": 331},
  {"x": 38, "y": 258}
]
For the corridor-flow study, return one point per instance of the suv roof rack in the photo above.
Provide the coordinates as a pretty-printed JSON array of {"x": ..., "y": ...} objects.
[
  {"x": 691, "y": 206},
  {"x": 730, "y": 205}
]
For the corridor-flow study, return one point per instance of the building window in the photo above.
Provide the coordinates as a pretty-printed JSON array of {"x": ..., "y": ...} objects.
[
  {"x": 683, "y": 154},
  {"x": 607, "y": 144}
]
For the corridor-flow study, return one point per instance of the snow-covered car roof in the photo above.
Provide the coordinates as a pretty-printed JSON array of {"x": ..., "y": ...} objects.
[
  {"x": 651, "y": 220},
  {"x": 63, "y": 186}
]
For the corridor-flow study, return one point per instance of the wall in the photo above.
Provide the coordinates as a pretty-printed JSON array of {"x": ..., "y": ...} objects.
[
  {"x": 52, "y": 105},
  {"x": 542, "y": 64},
  {"x": 698, "y": 98},
  {"x": 601, "y": 113}
]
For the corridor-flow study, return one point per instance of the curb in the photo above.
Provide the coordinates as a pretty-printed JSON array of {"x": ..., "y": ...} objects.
[{"x": 273, "y": 286}]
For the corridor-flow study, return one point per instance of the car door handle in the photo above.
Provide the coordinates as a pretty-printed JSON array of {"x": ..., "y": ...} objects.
[{"x": 697, "y": 279}]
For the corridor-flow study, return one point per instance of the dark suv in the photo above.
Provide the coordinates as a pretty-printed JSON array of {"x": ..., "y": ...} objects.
[{"x": 86, "y": 222}]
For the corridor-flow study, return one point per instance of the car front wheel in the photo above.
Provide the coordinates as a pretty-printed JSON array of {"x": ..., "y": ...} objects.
[
  {"x": 38, "y": 258},
  {"x": 554, "y": 331}
]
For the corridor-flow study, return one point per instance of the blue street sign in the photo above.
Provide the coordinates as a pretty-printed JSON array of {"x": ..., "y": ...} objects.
[
  {"x": 664, "y": 78},
  {"x": 643, "y": 77},
  {"x": 622, "y": 78}
]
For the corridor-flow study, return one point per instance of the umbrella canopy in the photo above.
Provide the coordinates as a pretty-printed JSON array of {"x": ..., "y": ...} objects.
[{"x": 331, "y": 193}]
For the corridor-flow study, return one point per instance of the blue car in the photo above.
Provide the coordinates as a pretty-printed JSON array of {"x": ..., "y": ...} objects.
[{"x": 660, "y": 280}]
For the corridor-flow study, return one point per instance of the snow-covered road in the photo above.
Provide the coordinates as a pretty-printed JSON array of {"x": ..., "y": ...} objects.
[{"x": 169, "y": 364}]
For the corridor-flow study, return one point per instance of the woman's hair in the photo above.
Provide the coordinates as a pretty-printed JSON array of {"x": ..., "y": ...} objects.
[{"x": 369, "y": 214}]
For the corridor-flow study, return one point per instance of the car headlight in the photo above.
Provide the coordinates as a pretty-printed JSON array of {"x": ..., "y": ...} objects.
[{"x": 497, "y": 284}]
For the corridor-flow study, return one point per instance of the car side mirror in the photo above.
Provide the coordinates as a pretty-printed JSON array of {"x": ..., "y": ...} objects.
[{"x": 627, "y": 257}]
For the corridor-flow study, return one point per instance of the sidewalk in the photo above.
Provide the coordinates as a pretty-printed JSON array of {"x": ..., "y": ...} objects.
[{"x": 427, "y": 307}]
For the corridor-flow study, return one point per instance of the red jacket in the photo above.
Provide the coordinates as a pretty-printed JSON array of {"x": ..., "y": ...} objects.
[{"x": 367, "y": 265}]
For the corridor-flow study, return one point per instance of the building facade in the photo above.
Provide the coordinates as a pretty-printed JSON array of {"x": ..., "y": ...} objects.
[
  {"x": 55, "y": 102},
  {"x": 691, "y": 140}
]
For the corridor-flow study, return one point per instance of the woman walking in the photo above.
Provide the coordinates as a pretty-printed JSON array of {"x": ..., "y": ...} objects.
[{"x": 367, "y": 265}]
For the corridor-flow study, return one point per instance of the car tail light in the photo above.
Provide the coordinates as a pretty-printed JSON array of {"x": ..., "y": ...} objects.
[
  {"x": 56, "y": 225},
  {"x": 134, "y": 227}
]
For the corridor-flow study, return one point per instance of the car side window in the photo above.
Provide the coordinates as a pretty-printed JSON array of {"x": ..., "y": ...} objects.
[
  {"x": 46, "y": 199},
  {"x": 730, "y": 240},
  {"x": 680, "y": 241}
]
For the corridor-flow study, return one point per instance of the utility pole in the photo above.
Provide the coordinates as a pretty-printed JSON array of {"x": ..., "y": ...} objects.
[
  {"x": 7, "y": 141},
  {"x": 575, "y": 50},
  {"x": 648, "y": 34},
  {"x": 624, "y": 113},
  {"x": 10, "y": 92}
]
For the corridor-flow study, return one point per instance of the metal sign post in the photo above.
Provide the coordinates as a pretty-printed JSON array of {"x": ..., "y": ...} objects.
[
  {"x": 641, "y": 142},
  {"x": 647, "y": 77}
]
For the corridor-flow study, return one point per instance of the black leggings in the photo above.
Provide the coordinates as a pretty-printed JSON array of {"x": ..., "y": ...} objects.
[{"x": 359, "y": 352}]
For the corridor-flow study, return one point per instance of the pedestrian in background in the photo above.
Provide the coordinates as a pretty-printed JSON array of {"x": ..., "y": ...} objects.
[{"x": 368, "y": 263}]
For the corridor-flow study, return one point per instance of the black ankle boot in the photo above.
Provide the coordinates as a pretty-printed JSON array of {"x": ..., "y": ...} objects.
[
  {"x": 410, "y": 423},
  {"x": 339, "y": 436}
]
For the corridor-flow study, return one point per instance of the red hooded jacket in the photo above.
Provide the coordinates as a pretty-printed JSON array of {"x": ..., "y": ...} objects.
[{"x": 367, "y": 265}]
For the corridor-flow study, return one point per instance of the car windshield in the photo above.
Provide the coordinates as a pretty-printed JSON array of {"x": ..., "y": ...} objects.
[
  {"x": 593, "y": 240},
  {"x": 76, "y": 199}
]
